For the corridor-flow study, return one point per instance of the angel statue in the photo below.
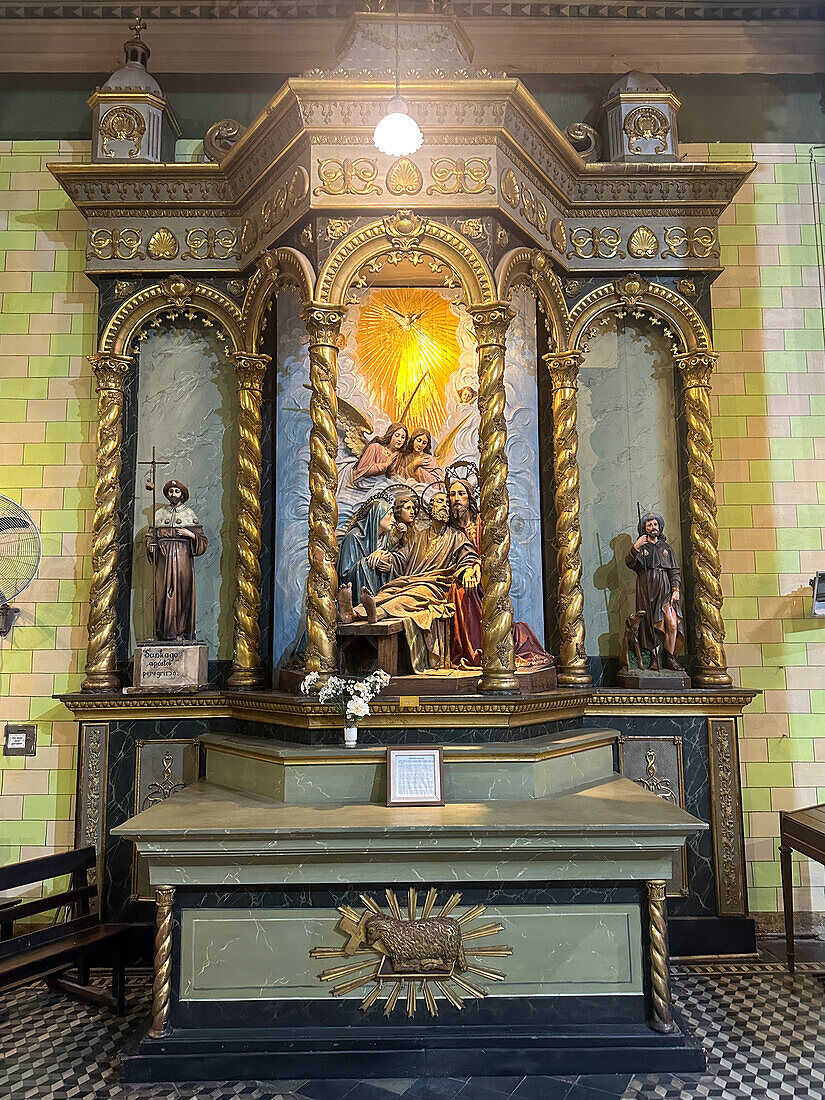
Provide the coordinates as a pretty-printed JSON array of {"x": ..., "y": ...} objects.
[
  {"x": 381, "y": 455},
  {"x": 417, "y": 462},
  {"x": 397, "y": 453},
  {"x": 381, "y": 523},
  {"x": 466, "y": 636}
]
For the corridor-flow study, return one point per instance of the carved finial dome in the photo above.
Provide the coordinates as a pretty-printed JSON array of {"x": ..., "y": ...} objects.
[
  {"x": 132, "y": 121},
  {"x": 133, "y": 75},
  {"x": 636, "y": 81}
]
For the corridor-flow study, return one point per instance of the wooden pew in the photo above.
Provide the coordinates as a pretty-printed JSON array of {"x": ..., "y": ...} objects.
[{"x": 76, "y": 942}]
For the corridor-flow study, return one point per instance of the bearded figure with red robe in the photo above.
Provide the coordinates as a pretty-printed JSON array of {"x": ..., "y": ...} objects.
[{"x": 466, "y": 638}]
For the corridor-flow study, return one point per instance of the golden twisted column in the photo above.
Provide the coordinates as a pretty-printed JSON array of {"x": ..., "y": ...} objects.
[
  {"x": 564, "y": 371},
  {"x": 490, "y": 323},
  {"x": 246, "y": 647},
  {"x": 101, "y": 658},
  {"x": 323, "y": 325},
  {"x": 659, "y": 976},
  {"x": 711, "y": 663},
  {"x": 162, "y": 984}
]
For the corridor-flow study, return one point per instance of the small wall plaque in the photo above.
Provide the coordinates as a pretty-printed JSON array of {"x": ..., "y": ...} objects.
[
  {"x": 170, "y": 666},
  {"x": 20, "y": 741},
  {"x": 415, "y": 775}
]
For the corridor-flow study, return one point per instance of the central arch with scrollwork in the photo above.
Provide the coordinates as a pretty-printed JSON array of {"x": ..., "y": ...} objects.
[{"x": 407, "y": 236}]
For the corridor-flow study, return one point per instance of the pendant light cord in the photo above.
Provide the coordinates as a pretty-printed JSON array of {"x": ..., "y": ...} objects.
[{"x": 397, "y": 50}]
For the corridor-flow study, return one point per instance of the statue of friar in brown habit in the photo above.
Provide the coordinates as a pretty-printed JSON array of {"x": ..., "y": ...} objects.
[
  {"x": 172, "y": 545},
  {"x": 658, "y": 580}
]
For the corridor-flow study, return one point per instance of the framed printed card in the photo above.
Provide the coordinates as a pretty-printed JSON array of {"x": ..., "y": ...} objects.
[{"x": 415, "y": 775}]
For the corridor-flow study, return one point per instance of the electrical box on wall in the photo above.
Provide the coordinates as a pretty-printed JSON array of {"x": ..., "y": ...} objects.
[
  {"x": 20, "y": 741},
  {"x": 817, "y": 583}
]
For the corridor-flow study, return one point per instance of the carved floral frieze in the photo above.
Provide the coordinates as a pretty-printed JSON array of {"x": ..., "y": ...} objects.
[{"x": 163, "y": 244}]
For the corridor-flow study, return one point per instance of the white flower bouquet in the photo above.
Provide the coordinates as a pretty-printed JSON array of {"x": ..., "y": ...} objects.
[{"x": 349, "y": 696}]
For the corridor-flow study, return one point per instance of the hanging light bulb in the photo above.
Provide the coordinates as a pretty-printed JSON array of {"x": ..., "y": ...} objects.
[{"x": 397, "y": 134}]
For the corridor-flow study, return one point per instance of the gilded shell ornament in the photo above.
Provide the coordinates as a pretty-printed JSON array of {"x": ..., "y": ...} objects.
[
  {"x": 298, "y": 186},
  {"x": 249, "y": 235},
  {"x": 509, "y": 188},
  {"x": 163, "y": 244},
  {"x": 643, "y": 243},
  {"x": 558, "y": 235},
  {"x": 404, "y": 178}
]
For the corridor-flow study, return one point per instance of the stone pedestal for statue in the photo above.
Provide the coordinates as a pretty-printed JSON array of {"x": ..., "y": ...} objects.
[
  {"x": 645, "y": 679},
  {"x": 170, "y": 666}
]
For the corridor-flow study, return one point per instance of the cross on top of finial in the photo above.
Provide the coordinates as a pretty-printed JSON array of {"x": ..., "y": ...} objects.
[{"x": 137, "y": 27}]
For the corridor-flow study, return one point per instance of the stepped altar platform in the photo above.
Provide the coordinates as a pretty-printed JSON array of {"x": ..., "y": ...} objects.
[{"x": 551, "y": 866}]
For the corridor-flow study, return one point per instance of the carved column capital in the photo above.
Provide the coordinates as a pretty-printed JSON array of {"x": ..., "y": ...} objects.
[
  {"x": 250, "y": 370},
  {"x": 165, "y": 895},
  {"x": 323, "y": 324},
  {"x": 490, "y": 323},
  {"x": 656, "y": 891},
  {"x": 564, "y": 369},
  {"x": 696, "y": 369},
  {"x": 110, "y": 371}
]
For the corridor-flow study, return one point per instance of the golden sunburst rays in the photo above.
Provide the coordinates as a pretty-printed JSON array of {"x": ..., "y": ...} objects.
[
  {"x": 408, "y": 348},
  {"x": 370, "y": 967}
]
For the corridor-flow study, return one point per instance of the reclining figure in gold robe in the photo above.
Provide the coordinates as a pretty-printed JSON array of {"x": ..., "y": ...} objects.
[{"x": 425, "y": 566}]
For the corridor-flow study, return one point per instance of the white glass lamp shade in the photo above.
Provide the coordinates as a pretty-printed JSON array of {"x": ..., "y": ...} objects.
[{"x": 397, "y": 134}]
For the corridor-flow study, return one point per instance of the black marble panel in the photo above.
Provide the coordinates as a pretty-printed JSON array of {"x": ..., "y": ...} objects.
[
  {"x": 529, "y": 1011},
  {"x": 701, "y": 902},
  {"x": 120, "y": 794},
  {"x": 412, "y": 735},
  {"x": 511, "y": 1011},
  {"x": 472, "y": 893},
  {"x": 417, "y": 1050},
  {"x": 603, "y": 670}
]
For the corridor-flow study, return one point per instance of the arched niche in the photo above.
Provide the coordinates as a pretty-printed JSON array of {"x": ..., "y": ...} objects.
[
  {"x": 628, "y": 453},
  {"x": 186, "y": 408},
  {"x": 402, "y": 240}
]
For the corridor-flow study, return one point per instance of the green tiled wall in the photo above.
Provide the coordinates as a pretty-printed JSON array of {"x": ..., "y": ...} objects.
[{"x": 769, "y": 406}]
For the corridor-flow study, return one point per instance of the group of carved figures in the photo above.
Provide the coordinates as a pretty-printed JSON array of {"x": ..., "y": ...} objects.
[{"x": 417, "y": 559}]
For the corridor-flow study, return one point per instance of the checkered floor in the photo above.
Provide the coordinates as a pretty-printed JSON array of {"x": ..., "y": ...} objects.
[{"x": 764, "y": 1033}]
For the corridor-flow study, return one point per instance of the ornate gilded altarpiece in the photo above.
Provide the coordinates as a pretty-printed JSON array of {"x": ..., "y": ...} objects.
[{"x": 496, "y": 208}]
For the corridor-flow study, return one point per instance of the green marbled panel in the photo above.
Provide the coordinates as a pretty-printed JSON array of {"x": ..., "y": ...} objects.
[
  {"x": 245, "y": 773},
  {"x": 315, "y": 783},
  {"x": 560, "y": 773},
  {"x": 362, "y": 781},
  {"x": 241, "y": 954}
]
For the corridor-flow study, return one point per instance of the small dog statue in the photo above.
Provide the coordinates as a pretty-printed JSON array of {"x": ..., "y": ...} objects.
[{"x": 630, "y": 641}]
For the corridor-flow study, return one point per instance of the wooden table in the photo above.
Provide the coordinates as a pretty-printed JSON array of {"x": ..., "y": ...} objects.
[
  {"x": 802, "y": 831},
  {"x": 382, "y": 636}
]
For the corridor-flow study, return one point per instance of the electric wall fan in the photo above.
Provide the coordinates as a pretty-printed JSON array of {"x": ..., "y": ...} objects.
[{"x": 20, "y": 550}]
